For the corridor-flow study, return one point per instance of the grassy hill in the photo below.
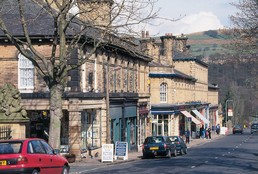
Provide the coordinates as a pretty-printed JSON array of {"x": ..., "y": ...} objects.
[{"x": 204, "y": 44}]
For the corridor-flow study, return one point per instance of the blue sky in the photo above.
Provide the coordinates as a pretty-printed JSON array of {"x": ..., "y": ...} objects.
[{"x": 199, "y": 15}]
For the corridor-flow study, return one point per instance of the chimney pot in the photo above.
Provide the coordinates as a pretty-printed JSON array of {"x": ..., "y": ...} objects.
[
  {"x": 143, "y": 34},
  {"x": 147, "y": 33}
]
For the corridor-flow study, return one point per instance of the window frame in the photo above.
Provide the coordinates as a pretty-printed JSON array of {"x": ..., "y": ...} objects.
[
  {"x": 26, "y": 88},
  {"x": 163, "y": 92}
]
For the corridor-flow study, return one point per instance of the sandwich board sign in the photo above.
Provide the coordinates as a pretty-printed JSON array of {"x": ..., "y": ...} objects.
[
  {"x": 121, "y": 150},
  {"x": 107, "y": 152}
]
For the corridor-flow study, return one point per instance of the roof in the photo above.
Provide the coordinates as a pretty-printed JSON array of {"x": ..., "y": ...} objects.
[
  {"x": 191, "y": 59},
  {"x": 176, "y": 74},
  {"x": 213, "y": 86},
  {"x": 41, "y": 25}
]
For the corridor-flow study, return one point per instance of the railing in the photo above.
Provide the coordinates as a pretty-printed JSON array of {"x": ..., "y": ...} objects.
[{"x": 5, "y": 133}]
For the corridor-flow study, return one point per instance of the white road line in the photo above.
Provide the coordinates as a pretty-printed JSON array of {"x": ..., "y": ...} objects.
[
  {"x": 223, "y": 154},
  {"x": 216, "y": 157},
  {"x": 206, "y": 161},
  {"x": 228, "y": 152},
  {"x": 192, "y": 167}
]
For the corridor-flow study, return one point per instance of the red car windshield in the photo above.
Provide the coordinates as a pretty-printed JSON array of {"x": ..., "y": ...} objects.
[{"x": 10, "y": 147}]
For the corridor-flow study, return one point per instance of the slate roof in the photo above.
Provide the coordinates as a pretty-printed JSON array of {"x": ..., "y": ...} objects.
[{"x": 41, "y": 24}]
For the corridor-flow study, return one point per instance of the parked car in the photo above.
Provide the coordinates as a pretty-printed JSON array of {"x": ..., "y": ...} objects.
[
  {"x": 237, "y": 129},
  {"x": 180, "y": 144},
  {"x": 254, "y": 128},
  {"x": 30, "y": 156},
  {"x": 158, "y": 146}
]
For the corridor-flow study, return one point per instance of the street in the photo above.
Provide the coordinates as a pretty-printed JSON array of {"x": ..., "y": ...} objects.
[{"x": 230, "y": 154}]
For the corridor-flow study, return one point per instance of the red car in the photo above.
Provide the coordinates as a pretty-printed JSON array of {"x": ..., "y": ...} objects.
[{"x": 32, "y": 156}]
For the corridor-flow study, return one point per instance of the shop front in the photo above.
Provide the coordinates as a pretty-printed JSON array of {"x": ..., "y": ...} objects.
[
  {"x": 123, "y": 124},
  {"x": 189, "y": 122},
  {"x": 90, "y": 129},
  {"x": 143, "y": 121}
]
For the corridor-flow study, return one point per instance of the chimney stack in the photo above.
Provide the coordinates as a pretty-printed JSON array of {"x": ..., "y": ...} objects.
[
  {"x": 143, "y": 34},
  {"x": 147, "y": 34}
]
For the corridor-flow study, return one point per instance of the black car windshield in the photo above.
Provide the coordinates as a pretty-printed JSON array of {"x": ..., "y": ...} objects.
[
  {"x": 154, "y": 140},
  {"x": 254, "y": 126},
  {"x": 237, "y": 127},
  {"x": 10, "y": 147}
]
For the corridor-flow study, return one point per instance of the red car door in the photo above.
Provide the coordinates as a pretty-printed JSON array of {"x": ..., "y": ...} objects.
[
  {"x": 37, "y": 156},
  {"x": 52, "y": 159}
]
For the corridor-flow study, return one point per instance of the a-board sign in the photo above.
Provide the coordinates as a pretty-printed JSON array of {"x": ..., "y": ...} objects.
[
  {"x": 121, "y": 150},
  {"x": 107, "y": 152}
]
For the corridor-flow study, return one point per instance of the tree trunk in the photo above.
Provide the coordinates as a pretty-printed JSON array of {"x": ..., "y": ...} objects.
[{"x": 56, "y": 115}]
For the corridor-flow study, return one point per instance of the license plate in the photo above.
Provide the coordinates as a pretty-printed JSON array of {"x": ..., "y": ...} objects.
[
  {"x": 2, "y": 163},
  {"x": 154, "y": 148}
]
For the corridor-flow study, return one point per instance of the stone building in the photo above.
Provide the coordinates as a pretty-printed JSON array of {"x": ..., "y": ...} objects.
[
  {"x": 180, "y": 93},
  {"x": 85, "y": 104}
]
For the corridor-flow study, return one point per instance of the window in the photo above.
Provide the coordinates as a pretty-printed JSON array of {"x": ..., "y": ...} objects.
[
  {"x": 48, "y": 149},
  {"x": 163, "y": 92},
  {"x": 35, "y": 147},
  {"x": 25, "y": 75}
]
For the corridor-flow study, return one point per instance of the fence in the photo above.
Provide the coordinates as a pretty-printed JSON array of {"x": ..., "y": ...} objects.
[{"x": 5, "y": 133}]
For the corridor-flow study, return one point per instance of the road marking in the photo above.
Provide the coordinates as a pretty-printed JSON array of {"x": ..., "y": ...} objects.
[
  {"x": 228, "y": 152},
  {"x": 217, "y": 157},
  {"x": 223, "y": 154},
  {"x": 233, "y": 149},
  {"x": 206, "y": 161},
  {"x": 192, "y": 167},
  {"x": 240, "y": 144},
  {"x": 236, "y": 146}
]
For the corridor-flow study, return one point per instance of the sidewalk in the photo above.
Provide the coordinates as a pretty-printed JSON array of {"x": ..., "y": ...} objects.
[{"x": 132, "y": 156}]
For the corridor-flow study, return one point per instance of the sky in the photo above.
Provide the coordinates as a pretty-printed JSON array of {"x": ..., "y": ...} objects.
[{"x": 197, "y": 15}]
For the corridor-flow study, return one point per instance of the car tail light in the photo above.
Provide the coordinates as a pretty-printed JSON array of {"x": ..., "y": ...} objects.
[
  {"x": 165, "y": 145},
  {"x": 143, "y": 147},
  {"x": 177, "y": 143},
  {"x": 22, "y": 160}
]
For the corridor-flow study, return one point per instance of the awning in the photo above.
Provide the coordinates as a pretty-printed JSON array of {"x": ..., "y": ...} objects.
[
  {"x": 198, "y": 114},
  {"x": 188, "y": 115}
]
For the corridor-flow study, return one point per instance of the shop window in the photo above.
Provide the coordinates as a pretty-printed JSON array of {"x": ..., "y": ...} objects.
[
  {"x": 163, "y": 92},
  {"x": 25, "y": 74},
  {"x": 90, "y": 129}
]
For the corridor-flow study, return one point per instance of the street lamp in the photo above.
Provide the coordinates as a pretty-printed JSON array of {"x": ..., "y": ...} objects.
[
  {"x": 107, "y": 102},
  {"x": 226, "y": 108}
]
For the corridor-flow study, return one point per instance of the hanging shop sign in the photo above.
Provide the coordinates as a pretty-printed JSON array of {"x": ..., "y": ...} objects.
[
  {"x": 107, "y": 152},
  {"x": 121, "y": 150},
  {"x": 230, "y": 112}
]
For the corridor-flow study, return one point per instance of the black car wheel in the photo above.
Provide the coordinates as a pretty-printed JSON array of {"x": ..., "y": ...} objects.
[
  {"x": 175, "y": 153},
  {"x": 169, "y": 154},
  {"x": 185, "y": 151},
  {"x": 35, "y": 171},
  {"x": 65, "y": 170},
  {"x": 181, "y": 152},
  {"x": 144, "y": 156}
]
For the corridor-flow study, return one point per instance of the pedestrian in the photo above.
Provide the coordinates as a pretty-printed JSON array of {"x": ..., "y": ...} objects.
[
  {"x": 218, "y": 129},
  {"x": 209, "y": 131},
  {"x": 213, "y": 129},
  {"x": 206, "y": 133},
  {"x": 202, "y": 132},
  {"x": 187, "y": 134}
]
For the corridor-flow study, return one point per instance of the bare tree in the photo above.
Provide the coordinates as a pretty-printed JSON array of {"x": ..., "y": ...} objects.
[
  {"x": 73, "y": 24},
  {"x": 245, "y": 27}
]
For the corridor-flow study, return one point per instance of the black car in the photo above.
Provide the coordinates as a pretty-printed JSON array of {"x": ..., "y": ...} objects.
[
  {"x": 158, "y": 146},
  {"x": 254, "y": 128},
  {"x": 181, "y": 147},
  {"x": 237, "y": 129}
]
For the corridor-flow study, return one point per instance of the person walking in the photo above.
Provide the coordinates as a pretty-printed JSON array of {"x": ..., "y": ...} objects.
[
  {"x": 202, "y": 132},
  {"x": 187, "y": 134},
  {"x": 209, "y": 131},
  {"x": 218, "y": 129}
]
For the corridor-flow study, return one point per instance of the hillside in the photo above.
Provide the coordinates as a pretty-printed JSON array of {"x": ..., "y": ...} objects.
[
  {"x": 235, "y": 76},
  {"x": 207, "y": 43}
]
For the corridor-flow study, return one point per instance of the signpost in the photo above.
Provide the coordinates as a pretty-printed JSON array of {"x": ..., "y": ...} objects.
[
  {"x": 121, "y": 150},
  {"x": 107, "y": 152}
]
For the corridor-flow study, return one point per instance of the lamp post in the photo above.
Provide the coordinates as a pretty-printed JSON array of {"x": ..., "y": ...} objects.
[
  {"x": 107, "y": 102},
  {"x": 226, "y": 108}
]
